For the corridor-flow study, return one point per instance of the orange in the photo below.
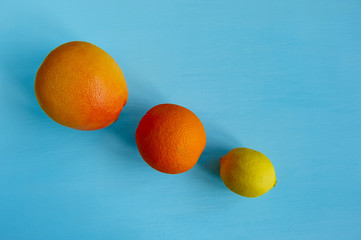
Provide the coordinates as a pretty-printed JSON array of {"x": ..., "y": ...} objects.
[
  {"x": 81, "y": 86},
  {"x": 170, "y": 138}
]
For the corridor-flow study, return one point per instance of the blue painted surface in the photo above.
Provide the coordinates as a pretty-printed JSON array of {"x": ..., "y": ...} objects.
[{"x": 282, "y": 77}]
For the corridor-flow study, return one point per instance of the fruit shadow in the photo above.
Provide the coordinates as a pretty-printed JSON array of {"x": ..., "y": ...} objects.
[
  {"x": 142, "y": 96},
  {"x": 219, "y": 143},
  {"x": 124, "y": 128}
]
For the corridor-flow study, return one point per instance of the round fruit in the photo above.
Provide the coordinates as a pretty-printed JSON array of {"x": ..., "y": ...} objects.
[
  {"x": 81, "y": 86},
  {"x": 170, "y": 138},
  {"x": 247, "y": 172}
]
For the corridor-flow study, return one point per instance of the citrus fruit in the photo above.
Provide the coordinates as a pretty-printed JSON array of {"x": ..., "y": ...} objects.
[
  {"x": 81, "y": 86},
  {"x": 170, "y": 138},
  {"x": 247, "y": 172}
]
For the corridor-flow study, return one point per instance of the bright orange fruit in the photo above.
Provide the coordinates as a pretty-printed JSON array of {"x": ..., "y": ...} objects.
[
  {"x": 81, "y": 86},
  {"x": 170, "y": 138}
]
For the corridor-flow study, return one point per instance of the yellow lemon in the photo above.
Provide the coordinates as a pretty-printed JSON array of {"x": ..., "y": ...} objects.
[{"x": 247, "y": 172}]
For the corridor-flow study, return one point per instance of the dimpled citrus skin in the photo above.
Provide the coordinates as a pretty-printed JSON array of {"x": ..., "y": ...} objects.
[
  {"x": 170, "y": 138},
  {"x": 247, "y": 172},
  {"x": 81, "y": 86}
]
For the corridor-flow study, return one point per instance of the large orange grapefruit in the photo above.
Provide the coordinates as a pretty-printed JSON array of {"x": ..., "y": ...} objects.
[{"x": 81, "y": 86}]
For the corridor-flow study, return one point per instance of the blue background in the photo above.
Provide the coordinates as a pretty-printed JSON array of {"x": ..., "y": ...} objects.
[{"x": 282, "y": 77}]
